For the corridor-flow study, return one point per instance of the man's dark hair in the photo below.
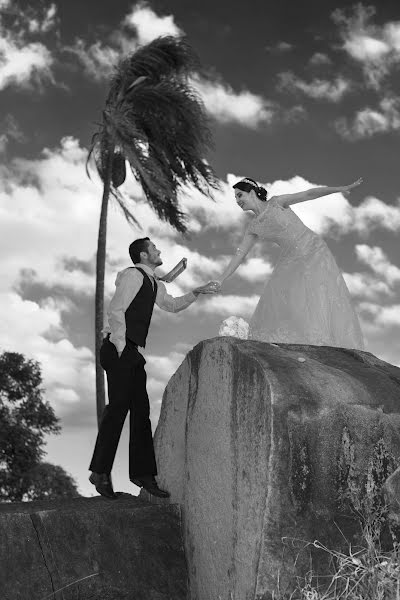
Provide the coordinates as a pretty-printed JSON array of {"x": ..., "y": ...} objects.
[{"x": 137, "y": 247}]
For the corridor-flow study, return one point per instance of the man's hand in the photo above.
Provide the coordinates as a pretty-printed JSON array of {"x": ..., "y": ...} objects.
[{"x": 208, "y": 288}]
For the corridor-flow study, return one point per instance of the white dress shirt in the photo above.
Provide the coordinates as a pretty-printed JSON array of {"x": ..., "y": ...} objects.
[{"x": 128, "y": 283}]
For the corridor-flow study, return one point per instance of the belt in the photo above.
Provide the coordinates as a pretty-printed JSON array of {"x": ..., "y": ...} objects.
[{"x": 127, "y": 341}]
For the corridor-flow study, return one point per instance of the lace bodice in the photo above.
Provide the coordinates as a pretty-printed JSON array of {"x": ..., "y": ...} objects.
[{"x": 282, "y": 226}]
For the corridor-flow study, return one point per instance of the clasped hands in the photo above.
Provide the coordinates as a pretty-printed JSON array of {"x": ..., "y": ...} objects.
[{"x": 212, "y": 287}]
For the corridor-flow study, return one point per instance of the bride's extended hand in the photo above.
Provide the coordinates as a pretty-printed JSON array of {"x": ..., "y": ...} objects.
[{"x": 347, "y": 188}]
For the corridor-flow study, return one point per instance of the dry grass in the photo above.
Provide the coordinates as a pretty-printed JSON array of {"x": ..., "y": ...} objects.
[{"x": 362, "y": 572}]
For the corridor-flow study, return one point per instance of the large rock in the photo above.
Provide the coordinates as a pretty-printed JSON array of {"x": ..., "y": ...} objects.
[
  {"x": 123, "y": 549},
  {"x": 259, "y": 442}
]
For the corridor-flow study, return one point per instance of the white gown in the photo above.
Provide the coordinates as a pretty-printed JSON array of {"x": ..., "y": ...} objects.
[{"x": 305, "y": 300}]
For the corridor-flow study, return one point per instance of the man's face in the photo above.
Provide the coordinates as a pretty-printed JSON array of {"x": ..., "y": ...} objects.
[{"x": 153, "y": 255}]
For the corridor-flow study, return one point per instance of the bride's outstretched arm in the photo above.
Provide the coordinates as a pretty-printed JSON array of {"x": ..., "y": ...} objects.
[
  {"x": 313, "y": 193},
  {"x": 244, "y": 248}
]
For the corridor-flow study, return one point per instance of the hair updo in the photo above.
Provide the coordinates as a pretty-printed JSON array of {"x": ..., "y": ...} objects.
[{"x": 247, "y": 184}]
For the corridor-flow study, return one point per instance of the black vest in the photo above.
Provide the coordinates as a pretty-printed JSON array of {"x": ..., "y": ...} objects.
[{"x": 139, "y": 312}]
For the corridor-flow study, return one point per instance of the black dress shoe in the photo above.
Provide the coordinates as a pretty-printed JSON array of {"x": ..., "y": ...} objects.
[
  {"x": 102, "y": 483},
  {"x": 149, "y": 483}
]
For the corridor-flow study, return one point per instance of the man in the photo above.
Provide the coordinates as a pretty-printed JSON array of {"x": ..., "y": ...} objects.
[{"x": 129, "y": 316}]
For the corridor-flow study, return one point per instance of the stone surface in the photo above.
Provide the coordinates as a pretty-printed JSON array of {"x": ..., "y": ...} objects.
[
  {"x": 258, "y": 446},
  {"x": 392, "y": 495},
  {"x": 124, "y": 549}
]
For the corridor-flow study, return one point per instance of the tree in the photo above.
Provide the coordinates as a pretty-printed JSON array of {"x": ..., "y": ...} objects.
[
  {"x": 154, "y": 120},
  {"x": 25, "y": 418},
  {"x": 49, "y": 482}
]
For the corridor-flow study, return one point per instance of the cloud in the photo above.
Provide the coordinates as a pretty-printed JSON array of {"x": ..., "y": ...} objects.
[
  {"x": 10, "y": 131},
  {"x": 227, "y": 106},
  {"x": 45, "y": 23},
  {"x": 368, "y": 122},
  {"x": 68, "y": 372},
  {"x": 383, "y": 316},
  {"x": 23, "y": 62},
  {"x": 376, "y": 259},
  {"x": 318, "y": 89},
  {"x": 227, "y": 305},
  {"x": 141, "y": 26},
  {"x": 148, "y": 25},
  {"x": 319, "y": 58},
  {"x": 98, "y": 60},
  {"x": 363, "y": 285},
  {"x": 375, "y": 47},
  {"x": 254, "y": 269},
  {"x": 23, "y": 65},
  {"x": 220, "y": 100},
  {"x": 380, "y": 284},
  {"x": 372, "y": 213},
  {"x": 280, "y": 47}
]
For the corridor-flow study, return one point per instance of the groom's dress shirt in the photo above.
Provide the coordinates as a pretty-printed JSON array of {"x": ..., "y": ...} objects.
[{"x": 128, "y": 283}]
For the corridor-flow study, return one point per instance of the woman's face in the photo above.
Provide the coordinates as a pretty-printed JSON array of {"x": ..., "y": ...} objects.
[{"x": 242, "y": 199}]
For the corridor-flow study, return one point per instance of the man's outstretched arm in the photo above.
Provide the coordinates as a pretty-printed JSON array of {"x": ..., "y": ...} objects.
[{"x": 171, "y": 304}]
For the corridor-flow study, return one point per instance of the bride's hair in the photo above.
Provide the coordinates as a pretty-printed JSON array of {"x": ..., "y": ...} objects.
[{"x": 247, "y": 184}]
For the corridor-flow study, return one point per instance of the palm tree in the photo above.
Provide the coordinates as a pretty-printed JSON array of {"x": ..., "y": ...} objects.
[{"x": 154, "y": 120}]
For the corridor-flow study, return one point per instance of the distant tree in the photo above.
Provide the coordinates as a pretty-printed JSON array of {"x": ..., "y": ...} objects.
[
  {"x": 154, "y": 121},
  {"x": 25, "y": 418},
  {"x": 49, "y": 482}
]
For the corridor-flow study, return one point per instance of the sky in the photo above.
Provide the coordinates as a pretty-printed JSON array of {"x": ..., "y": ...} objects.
[{"x": 298, "y": 94}]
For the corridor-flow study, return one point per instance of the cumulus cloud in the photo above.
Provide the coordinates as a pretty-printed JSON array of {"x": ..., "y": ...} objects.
[
  {"x": 375, "y": 47},
  {"x": 364, "y": 285},
  {"x": 23, "y": 65},
  {"x": 23, "y": 62},
  {"x": 383, "y": 316},
  {"x": 380, "y": 284},
  {"x": 148, "y": 25},
  {"x": 98, "y": 59},
  {"x": 373, "y": 213},
  {"x": 376, "y": 259},
  {"x": 227, "y": 305},
  {"x": 226, "y": 105},
  {"x": 368, "y": 121},
  {"x": 318, "y": 89},
  {"x": 68, "y": 372}
]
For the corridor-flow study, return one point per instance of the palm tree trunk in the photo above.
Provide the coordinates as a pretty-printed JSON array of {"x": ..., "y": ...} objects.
[{"x": 99, "y": 298}]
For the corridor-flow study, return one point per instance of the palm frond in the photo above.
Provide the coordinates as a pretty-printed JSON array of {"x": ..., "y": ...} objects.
[{"x": 156, "y": 121}]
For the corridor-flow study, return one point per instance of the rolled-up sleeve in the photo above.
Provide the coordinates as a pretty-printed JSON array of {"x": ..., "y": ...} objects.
[{"x": 171, "y": 304}]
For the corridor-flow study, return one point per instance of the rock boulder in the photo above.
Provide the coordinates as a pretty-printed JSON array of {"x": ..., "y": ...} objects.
[
  {"x": 123, "y": 549},
  {"x": 260, "y": 445}
]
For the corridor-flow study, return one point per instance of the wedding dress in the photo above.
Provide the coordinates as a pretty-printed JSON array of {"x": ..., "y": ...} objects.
[{"x": 305, "y": 300}]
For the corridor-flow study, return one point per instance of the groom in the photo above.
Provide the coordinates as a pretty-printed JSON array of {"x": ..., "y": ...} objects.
[{"x": 129, "y": 316}]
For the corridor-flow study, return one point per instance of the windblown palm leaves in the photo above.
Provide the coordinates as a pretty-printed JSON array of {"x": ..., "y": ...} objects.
[{"x": 155, "y": 121}]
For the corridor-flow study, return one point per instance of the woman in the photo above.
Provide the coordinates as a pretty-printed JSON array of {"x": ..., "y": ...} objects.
[{"x": 305, "y": 300}]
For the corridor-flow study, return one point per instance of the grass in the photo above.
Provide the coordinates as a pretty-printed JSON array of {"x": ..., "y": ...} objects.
[{"x": 366, "y": 570}]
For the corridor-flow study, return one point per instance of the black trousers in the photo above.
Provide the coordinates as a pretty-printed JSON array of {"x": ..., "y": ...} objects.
[{"x": 126, "y": 380}]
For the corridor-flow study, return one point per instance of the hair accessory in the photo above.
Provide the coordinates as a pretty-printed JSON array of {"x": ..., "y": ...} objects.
[{"x": 251, "y": 182}]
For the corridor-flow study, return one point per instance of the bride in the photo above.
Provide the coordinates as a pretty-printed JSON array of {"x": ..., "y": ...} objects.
[{"x": 305, "y": 300}]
